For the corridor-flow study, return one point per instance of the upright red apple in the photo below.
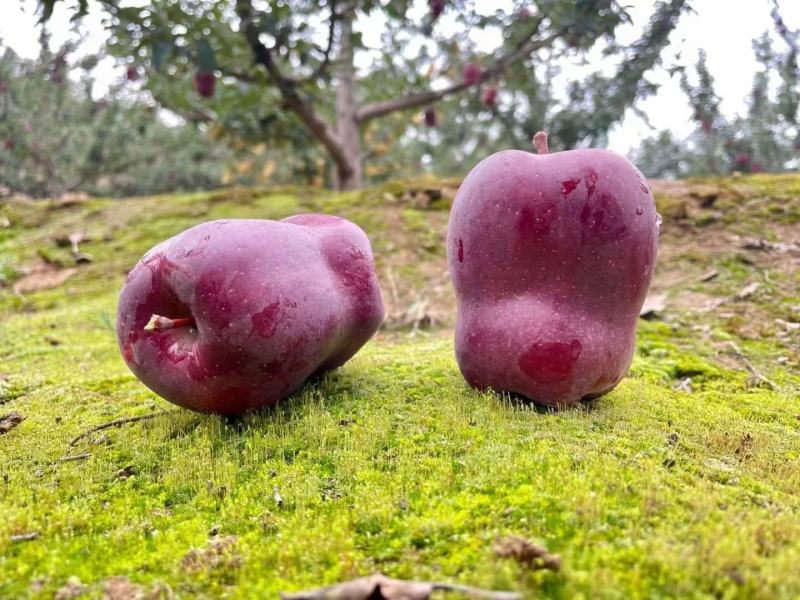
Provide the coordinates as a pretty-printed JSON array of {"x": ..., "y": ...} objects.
[
  {"x": 551, "y": 256},
  {"x": 205, "y": 83},
  {"x": 472, "y": 74},
  {"x": 436, "y": 7},
  {"x": 234, "y": 315},
  {"x": 489, "y": 96},
  {"x": 431, "y": 118}
]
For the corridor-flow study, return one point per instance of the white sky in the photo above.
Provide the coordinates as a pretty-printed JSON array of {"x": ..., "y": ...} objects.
[{"x": 724, "y": 28}]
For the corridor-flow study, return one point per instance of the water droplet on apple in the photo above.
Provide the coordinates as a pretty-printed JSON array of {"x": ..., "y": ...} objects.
[{"x": 639, "y": 210}]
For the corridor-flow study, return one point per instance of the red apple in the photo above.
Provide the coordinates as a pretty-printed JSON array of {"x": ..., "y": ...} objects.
[
  {"x": 431, "y": 118},
  {"x": 472, "y": 74},
  {"x": 551, "y": 256},
  {"x": 205, "y": 83},
  {"x": 490, "y": 96},
  {"x": 234, "y": 315},
  {"x": 742, "y": 160},
  {"x": 436, "y": 7}
]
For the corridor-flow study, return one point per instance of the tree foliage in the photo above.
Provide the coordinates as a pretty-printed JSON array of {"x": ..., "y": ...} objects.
[
  {"x": 766, "y": 138},
  {"x": 55, "y": 138},
  {"x": 300, "y": 77}
]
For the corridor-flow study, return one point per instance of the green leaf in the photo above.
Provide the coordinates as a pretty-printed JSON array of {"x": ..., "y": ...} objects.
[
  {"x": 47, "y": 9},
  {"x": 83, "y": 9},
  {"x": 206, "y": 61},
  {"x": 162, "y": 51}
]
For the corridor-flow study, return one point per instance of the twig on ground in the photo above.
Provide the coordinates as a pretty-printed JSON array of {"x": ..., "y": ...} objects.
[
  {"x": 753, "y": 371},
  {"x": 81, "y": 456},
  {"x": 381, "y": 587},
  {"x": 25, "y": 537},
  {"x": 118, "y": 423}
]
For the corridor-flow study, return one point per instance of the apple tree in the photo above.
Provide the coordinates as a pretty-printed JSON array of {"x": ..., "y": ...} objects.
[
  {"x": 300, "y": 76},
  {"x": 56, "y": 136},
  {"x": 765, "y": 138}
]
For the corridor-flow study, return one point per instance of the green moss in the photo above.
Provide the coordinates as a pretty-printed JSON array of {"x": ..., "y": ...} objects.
[
  {"x": 427, "y": 230},
  {"x": 390, "y": 463}
]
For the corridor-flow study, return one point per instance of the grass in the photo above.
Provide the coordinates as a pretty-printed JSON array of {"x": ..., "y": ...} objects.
[{"x": 392, "y": 463}]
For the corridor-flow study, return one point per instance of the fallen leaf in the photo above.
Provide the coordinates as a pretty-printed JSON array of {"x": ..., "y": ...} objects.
[
  {"x": 81, "y": 258},
  {"x": 712, "y": 274},
  {"x": 70, "y": 199},
  {"x": 654, "y": 305},
  {"x": 43, "y": 277},
  {"x": 747, "y": 291},
  {"x": 788, "y": 324},
  {"x": 121, "y": 588},
  {"x": 9, "y": 421},
  {"x": 381, "y": 587},
  {"x": 126, "y": 472},
  {"x": 219, "y": 552},
  {"x": 526, "y": 553},
  {"x": 72, "y": 589},
  {"x": 763, "y": 245}
]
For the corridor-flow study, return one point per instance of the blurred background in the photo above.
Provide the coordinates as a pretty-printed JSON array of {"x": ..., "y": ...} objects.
[{"x": 125, "y": 98}]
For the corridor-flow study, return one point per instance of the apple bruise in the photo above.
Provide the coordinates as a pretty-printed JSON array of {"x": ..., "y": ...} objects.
[{"x": 549, "y": 362}]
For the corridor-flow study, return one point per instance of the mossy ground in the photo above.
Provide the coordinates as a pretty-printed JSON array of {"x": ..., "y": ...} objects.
[{"x": 663, "y": 488}]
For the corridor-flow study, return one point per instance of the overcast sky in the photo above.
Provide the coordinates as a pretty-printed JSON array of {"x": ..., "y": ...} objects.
[{"x": 724, "y": 28}]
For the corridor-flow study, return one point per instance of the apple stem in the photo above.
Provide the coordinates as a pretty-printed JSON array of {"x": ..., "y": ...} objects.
[
  {"x": 540, "y": 142},
  {"x": 159, "y": 323}
]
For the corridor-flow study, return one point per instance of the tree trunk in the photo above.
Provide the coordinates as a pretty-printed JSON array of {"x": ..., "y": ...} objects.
[{"x": 347, "y": 126}]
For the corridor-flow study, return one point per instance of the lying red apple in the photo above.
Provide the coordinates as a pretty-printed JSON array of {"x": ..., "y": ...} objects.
[
  {"x": 234, "y": 315},
  {"x": 551, "y": 256}
]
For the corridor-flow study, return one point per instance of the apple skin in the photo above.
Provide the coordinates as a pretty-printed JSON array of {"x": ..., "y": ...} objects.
[
  {"x": 274, "y": 302},
  {"x": 551, "y": 256}
]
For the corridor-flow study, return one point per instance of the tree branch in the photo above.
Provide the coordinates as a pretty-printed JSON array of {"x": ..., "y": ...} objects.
[
  {"x": 790, "y": 37},
  {"x": 241, "y": 76},
  {"x": 288, "y": 89},
  {"x": 119, "y": 423},
  {"x": 523, "y": 49},
  {"x": 322, "y": 67}
]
